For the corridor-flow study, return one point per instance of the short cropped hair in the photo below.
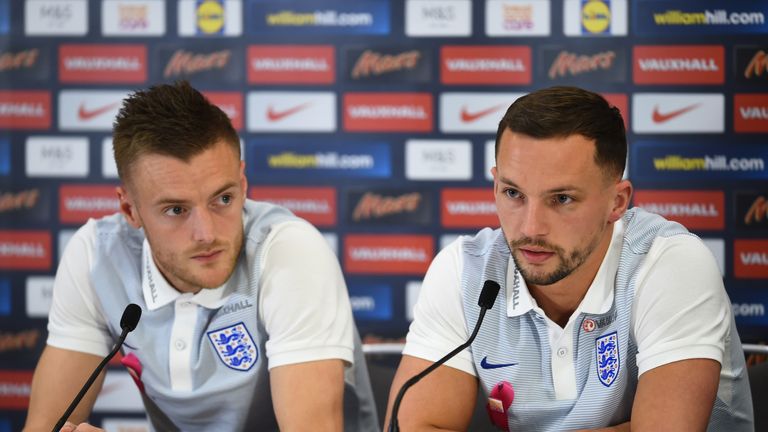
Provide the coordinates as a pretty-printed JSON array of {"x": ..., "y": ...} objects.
[
  {"x": 559, "y": 112},
  {"x": 168, "y": 119}
]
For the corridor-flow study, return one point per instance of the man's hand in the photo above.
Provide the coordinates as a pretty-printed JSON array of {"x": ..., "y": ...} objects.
[
  {"x": 443, "y": 400},
  {"x": 82, "y": 427}
]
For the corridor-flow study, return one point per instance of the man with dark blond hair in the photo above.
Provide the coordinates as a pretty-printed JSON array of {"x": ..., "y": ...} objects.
[{"x": 247, "y": 323}]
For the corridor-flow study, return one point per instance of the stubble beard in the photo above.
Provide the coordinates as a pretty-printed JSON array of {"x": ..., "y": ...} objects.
[{"x": 567, "y": 262}]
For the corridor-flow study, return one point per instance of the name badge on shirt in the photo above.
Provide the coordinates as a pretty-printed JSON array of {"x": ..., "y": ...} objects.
[
  {"x": 607, "y": 358},
  {"x": 235, "y": 346}
]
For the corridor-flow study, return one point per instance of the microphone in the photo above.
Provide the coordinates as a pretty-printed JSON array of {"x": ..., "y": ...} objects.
[
  {"x": 128, "y": 323},
  {"x": 487, "y": 298}
]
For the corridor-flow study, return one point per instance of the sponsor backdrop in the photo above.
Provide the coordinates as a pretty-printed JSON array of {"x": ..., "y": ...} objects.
[{"x": 375, "y": 121}]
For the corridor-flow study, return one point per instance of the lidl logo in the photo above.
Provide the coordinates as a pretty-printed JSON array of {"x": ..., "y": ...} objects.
[
  {"x": 210, "y": 17},
  {"x": 5, "y": 157},
  {"x": 5, "y": 297},
  {"x": 595, "y": 17}
]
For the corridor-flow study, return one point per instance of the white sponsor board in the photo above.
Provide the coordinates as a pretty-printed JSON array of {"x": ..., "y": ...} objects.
[
  {"x": 430, "y": 18},
  {"x": 717, "y": 247},
  {"x": 230, "y": 23},
  {"x": 412, "y": 290},
  {"x": 511, "y": 18},
  {"x": 438, "y": 160},
  {"x": 141, "y": 18},
  {"x": 270, "y": 111},
  {"x": 56, "y": 17},
  {"x": 474, "y": 112},
  {"x": 89, "y": 110},
  {"x": 602, "y": 18},
  {"x": 108, "y": 165},
  {"x": 39, "y": 294},
  {"x": 490, "y": 158},
  {"x": 56, "y": 156},
  {"x": 678, "y": 113}
]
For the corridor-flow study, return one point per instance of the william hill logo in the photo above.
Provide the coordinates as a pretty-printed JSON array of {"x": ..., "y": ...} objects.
[
  {"x": 26, "y": 59},
  {"x": 188, "y": 63},
  {"x": 571, "y": 64},
  {"x": 372, "y": 63}
]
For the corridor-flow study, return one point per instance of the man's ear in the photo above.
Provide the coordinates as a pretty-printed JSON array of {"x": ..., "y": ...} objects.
[
  {"x": 495, "y": 174},
  {"x": 622, "y": 195},
  {"x": 243, "y": 179},
  {"x": 127, "y": 208}
]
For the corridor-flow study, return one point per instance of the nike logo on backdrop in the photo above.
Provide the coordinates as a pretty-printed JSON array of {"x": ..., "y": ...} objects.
[
  {"x": 663, "y": 118},
  {"x": 485, "y": 365},
  {"x": 468, "y": 117},
  {"x": 275, "y": 115},
  {"x": 86, "y": 114}
]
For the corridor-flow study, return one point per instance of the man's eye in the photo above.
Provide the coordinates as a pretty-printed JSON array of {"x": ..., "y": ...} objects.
[
  {"x": 174, "y": 211},
  {"x": 512, "y": 193},
  {"x": 563, "y": 199},
  {"x": 226, "y": 199}
]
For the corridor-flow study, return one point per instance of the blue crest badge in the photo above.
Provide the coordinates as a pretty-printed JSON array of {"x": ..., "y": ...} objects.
[
  {"x": 607, "y": 350},
  {"x": 235, "y": 346}
]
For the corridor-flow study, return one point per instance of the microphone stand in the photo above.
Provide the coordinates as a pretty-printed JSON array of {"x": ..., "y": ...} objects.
[{"x": 487, "y": 297}]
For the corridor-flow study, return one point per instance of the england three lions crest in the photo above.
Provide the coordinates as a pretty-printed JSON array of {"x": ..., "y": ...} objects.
[
  {"x": 235, "y": 346},
  {"x": 607, "y": 358}
]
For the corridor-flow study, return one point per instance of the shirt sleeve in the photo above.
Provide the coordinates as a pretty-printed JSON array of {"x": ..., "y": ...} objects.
[
  {"x": 681, "y": 310},
  {"x": 74, "y": 321},
  {"x": 439, "y": 325},
  {"x": 304, "y": 301}
]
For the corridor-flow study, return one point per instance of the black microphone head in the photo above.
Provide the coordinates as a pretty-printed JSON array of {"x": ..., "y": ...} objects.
[
  {"x": 488, "y": 294},
  {"x": 130, "y": 318}
]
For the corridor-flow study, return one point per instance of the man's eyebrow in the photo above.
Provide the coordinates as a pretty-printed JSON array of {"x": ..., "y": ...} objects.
[
  {"x": 171, "y": 200},
  {"x": 559, "y": 189}
]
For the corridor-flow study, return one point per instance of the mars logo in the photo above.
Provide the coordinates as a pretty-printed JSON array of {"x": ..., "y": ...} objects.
[
  {"x": 389, "y": 64},
  {"x": 751, "y": 211},
  {"x": 758, "y": 66},
  {"x": 187, "y": 63},
  {"x": 751, "y": 65},
  {"x": 570, "y": 65},
  {"x": 751, "y": 259},
  {"x": 388, "y": 207},
  {"x": 203, "y": 64},
  {"x": 24, "y": 205},
  {"x": 20, "y": 60}
]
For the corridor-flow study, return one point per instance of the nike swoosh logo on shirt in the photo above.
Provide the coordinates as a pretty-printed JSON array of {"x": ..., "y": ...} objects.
[
  {"x": 86, "y": 114},
  {"x": 275, "y": 115},
  {"x": 665, "y": 117},
  {"x": 469, "y": 117},
  {"x": 485, "y": 365}
]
